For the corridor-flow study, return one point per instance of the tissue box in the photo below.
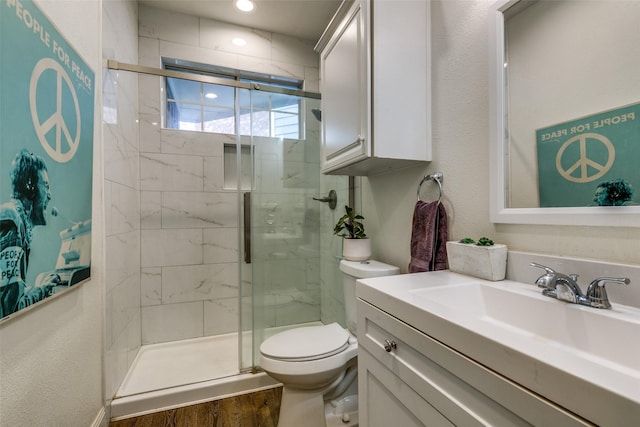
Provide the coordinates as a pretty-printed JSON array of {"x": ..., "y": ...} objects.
[{"x": 484, "y": 262}]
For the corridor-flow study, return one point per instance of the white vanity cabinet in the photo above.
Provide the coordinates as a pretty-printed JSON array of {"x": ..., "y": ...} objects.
[
  {"x": 375, "y": 84},
  {"x": 419, "y": 381}
]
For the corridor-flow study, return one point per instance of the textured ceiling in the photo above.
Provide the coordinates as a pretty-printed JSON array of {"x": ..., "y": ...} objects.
[{"x": 305, "y": 19}]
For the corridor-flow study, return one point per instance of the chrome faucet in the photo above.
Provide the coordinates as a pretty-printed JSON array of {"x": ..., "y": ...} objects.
[
  {"x": 558, "y": 285},
  {"x": 565, "y": 287}
]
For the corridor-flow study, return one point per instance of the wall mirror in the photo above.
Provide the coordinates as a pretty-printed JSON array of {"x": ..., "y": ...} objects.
[{"x": 565, "y": 112}]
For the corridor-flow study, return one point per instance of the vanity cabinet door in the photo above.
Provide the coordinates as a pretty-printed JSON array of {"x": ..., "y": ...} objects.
[
  {"x": 386, "y": 400},
  {"x": 462, "y": 391}
]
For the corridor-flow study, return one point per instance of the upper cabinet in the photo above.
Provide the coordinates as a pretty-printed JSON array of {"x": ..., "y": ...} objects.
[{"x": 375, "y": 84}]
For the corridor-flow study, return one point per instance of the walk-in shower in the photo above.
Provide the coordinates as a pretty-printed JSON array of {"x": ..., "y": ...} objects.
[{"x": 233, "y": 245}]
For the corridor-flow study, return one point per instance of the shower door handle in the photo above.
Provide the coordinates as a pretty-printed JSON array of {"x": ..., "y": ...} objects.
[{"x": 247, "y": 227}]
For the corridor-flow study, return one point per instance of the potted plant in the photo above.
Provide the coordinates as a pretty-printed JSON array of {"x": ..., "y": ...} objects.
[
  {"x": 483, "y": 259},
  {"x": 356, "y": 246}
]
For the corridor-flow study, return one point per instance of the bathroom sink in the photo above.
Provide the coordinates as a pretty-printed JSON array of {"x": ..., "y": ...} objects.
[{"x": 606, "y": 336}]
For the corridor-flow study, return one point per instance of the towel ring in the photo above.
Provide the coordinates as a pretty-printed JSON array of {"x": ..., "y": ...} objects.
[{"x": 437, "y": 177}]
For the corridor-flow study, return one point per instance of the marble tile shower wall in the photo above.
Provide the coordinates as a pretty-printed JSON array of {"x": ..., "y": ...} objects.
[
  {"x": 191, "y": 38},
  {"x": 189, "y": 243},
  {"x": 190, "y": 232},
  {"x": 189, "y": 248},
  {"x": 121, "y": 194}
]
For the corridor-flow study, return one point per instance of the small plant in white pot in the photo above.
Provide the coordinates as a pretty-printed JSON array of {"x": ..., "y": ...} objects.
[
  {"x": 483, "y": 259},
  {"x": 356, "y": 246}
]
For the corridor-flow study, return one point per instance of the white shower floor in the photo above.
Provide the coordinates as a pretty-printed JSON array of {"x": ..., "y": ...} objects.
[
  {"x": 172, "y": 364},
  {"x": 179, "y": 363}
]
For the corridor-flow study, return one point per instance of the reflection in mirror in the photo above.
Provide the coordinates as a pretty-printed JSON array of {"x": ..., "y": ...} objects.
[{"x": 565, "y": 128}]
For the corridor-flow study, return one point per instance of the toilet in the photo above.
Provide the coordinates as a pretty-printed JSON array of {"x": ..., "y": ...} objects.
[{"x": 317, "y": 365}]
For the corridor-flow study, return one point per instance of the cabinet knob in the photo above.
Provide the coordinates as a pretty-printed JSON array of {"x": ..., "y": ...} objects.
[{"x": 389, "y": 345}]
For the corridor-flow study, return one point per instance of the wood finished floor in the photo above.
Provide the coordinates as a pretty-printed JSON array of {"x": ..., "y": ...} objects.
[{"x": 259, "y": 409}]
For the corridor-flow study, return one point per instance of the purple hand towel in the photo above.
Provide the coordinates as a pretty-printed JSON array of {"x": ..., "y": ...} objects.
[{"x": 428, "y": 237}]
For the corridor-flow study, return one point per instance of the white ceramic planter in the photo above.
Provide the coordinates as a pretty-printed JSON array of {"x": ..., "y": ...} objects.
[
  {"x": 356, "y": 249},
  {"x": 484, "y": 262}
]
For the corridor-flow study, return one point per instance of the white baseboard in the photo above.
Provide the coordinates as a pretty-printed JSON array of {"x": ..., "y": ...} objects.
[{"x": 100, "y": 420}]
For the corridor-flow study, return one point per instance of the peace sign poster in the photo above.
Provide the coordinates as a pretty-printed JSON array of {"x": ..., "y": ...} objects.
[
  {"x": 591, "y": 161},
  {"x": 46, "y": 156}
]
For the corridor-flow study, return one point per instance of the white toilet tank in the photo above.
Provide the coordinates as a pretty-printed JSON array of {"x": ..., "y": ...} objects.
[{"x": 354, "y": 270}]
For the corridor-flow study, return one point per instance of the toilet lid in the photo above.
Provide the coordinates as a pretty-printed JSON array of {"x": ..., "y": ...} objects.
[{"x": 306, "y": 343}]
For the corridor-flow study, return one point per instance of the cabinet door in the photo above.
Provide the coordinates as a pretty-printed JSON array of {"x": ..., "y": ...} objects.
[
  {"x": 386, "y": 400},
  {"x": 344, "y": 91}
]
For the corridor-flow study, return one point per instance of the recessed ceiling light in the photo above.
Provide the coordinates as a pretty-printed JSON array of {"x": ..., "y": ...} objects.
[
  {"x": 239, "y": 41},
  {"x": 245, "y": 5},
  {"x": 210, "y": 95}
]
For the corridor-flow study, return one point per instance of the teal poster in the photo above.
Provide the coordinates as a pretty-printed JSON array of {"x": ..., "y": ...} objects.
[
  {"x": 46, "y": 154},
  {"x": 591, "y": 161}
]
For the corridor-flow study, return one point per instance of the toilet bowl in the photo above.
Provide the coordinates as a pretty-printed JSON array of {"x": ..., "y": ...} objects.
[{"x": 317, "y": 365}]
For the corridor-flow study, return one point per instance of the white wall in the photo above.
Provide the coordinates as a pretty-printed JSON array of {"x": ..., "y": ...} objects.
[
  {"x": 460, "y": 150},
  {"x": 51, "y": 356}
]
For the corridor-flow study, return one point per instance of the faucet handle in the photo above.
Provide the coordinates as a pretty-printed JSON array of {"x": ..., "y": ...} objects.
[
  {"x": 544, "y": 281},
  {"x": 597, "y": 293},
  {"x": 544, "y": 267}
]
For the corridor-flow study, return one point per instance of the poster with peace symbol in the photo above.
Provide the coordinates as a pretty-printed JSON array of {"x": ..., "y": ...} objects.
[
  {"x": 591, "y": 161},
  {"x": 46, "y": 155}
]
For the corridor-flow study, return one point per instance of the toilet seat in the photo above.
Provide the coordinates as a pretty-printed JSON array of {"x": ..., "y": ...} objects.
[{"x": 306, "y": 344}]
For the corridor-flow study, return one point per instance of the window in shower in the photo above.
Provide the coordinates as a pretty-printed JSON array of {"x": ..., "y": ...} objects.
[{"x": 206, "y": 107}]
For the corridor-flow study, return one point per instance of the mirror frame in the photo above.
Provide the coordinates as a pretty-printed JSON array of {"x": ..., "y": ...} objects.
[{"x": 499, "y": 212}]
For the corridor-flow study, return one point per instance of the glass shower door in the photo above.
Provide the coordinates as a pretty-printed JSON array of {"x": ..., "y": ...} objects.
[{"x": 281, "y": 279}]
